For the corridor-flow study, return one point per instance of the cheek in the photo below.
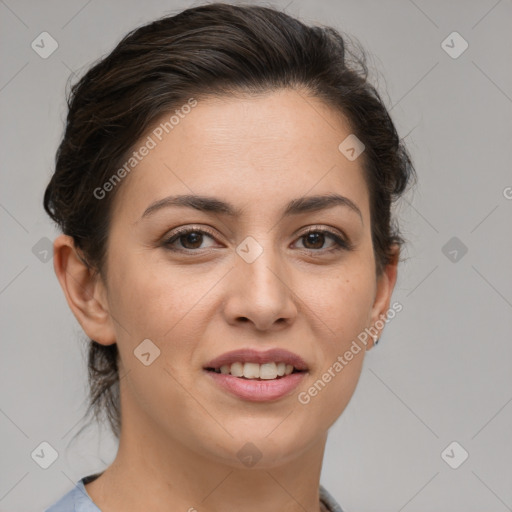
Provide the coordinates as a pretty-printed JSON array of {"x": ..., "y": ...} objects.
[
  {"x": 169, "y": 305},
  {"x": 342, "y": 301},
  {"x": 327, "y": 394},
  {"x": 151, "y": 301},
  {"x": 150, "y": 298},
  {"x": 343, "y": 304}
]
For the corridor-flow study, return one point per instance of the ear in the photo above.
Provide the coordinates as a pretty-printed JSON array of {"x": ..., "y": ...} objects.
[
  {"x": 84, "y": 290},
  {"x": 385, "y": 286}
]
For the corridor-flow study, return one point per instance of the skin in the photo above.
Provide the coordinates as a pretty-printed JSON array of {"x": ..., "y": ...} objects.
[{"x": 181, "y": 433}]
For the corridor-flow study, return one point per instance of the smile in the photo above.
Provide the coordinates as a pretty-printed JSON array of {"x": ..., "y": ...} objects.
[{"x": 266, "y": 371}]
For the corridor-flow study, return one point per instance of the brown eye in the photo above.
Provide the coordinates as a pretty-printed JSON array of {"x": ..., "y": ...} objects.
[
  {"x": 314, "y": 239},
  {"x": 189, "y": 239}
]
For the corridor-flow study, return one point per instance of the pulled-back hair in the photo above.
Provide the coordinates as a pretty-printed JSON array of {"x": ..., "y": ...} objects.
[{"x": 210, "y": 50}]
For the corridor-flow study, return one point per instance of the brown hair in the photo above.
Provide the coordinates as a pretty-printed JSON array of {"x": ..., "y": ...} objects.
[{"x": 214, "y": 49}]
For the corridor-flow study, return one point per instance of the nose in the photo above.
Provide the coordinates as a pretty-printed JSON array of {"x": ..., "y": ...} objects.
[{"x": 259, "y": 293}]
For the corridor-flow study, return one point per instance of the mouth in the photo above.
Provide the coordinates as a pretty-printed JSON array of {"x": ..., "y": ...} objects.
[
  {"x": 254, "y": 364},
  {"x": 255, "y": 371},
  {"x": 257, "y": 376}
]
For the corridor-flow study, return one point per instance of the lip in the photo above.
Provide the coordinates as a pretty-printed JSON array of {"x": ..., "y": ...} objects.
[
  {"x": 257, "y": 390},
  {"x": 248, "y": 355}
]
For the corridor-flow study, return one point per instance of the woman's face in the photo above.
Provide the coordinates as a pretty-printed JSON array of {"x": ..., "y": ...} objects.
[{"x": 248, "y": 280}]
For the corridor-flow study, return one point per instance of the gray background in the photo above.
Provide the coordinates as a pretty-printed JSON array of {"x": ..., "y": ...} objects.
[{"x": 442, "y": 371}]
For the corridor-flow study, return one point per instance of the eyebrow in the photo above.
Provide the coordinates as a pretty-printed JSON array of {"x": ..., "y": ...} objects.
[{"x": 215, "y": 205}]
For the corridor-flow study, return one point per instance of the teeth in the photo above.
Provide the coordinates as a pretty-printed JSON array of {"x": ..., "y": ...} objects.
[
  {"x": 237, "y": 369},
  {"x": 266, "y": 371},
  {"x": 251, "y": 370}
]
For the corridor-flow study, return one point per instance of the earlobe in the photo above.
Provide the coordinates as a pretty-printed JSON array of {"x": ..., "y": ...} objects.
[
  {"x": 84, "y": 290},
  {"x": 385, "y": 286}
]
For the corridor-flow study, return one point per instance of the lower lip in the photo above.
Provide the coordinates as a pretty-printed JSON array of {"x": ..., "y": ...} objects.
[{"x": 258, "y": 390}]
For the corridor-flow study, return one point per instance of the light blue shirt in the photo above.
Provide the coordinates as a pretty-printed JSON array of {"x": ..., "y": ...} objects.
[{"x": 77, "y": 499}]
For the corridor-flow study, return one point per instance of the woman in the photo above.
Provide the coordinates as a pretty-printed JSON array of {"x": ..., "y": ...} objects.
[{"x": 224, "y": 187}]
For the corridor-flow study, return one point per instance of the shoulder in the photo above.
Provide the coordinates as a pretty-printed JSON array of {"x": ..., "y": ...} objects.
[
  {"x": 330, "y": 503},
  {"x": 75, "y": 500}
]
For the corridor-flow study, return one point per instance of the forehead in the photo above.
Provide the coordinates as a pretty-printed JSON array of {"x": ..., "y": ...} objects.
[{"x": 255, "y": 151}]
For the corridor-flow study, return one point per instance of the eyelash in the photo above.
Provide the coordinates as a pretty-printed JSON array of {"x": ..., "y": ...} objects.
[{"x": 341, "y": 244}]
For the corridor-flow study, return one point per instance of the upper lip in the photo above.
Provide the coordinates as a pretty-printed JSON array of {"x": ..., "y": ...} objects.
[{"x": 248, "y": 355}]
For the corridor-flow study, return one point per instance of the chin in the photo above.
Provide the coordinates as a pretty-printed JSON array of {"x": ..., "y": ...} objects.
[{"x": 263, "y": 447}]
